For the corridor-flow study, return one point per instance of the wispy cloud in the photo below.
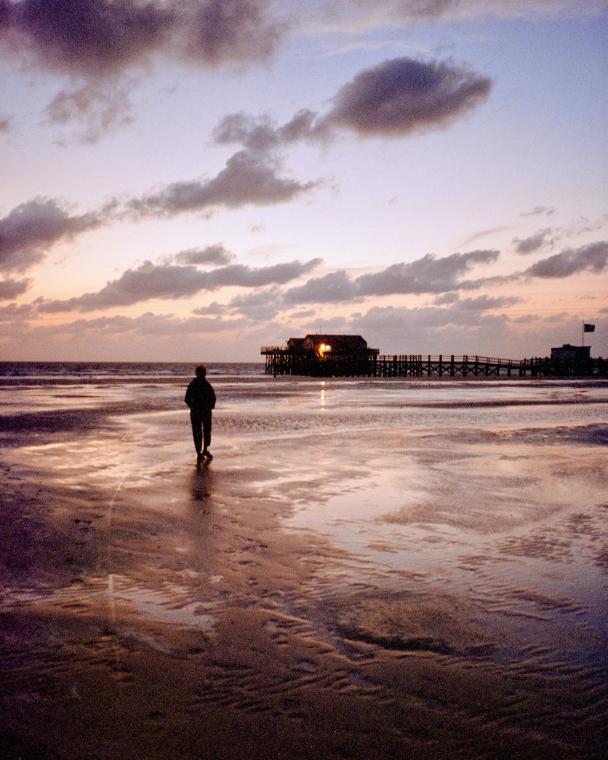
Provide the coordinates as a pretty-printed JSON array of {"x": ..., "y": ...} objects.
[
  {"x": 97, "y": 106},
  {"x": 539, "y": 211},
  {"x": 354, "y": 16}
]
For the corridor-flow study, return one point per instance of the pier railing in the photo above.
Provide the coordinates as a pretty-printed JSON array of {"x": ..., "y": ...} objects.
[{"x": 283, "y": 361}]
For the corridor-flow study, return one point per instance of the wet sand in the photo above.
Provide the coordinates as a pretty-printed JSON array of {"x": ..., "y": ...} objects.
[{"x": 367, "y": 569}]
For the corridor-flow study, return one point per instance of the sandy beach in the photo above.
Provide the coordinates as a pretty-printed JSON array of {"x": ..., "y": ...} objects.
[{"x": 366, "y": 569}]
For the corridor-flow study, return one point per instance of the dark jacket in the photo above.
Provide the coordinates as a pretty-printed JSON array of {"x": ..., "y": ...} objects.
[{"x": 200, "y": 397}]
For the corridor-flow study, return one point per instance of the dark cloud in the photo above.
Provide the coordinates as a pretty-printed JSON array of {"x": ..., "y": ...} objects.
[
  {"x": 87, "y": 36},
  {"x": 170, "y": 281},
  {"x": 539, "y": 211},
  {"x": 426, "y": 275},
  {"x": 13, "y": 313},
  {"x": 333, "y": 287},
  {"x": 247, "y": 179},
  {"x": 212, "y": 254},
  {"x": 219, "y": 31},
  {"x": 98, "y": 42},
  {"x": 393, "y": 99},
  {"x": 538, "y": 240},
  {"x": 590, "y": 258},
  {"x": 403, "y": 95},
  {"x": 249, "y": 277},
  {"x": 12, "y": 288},
  {"x": 258, "y": 306},
  {"x": 32, "y": 227},
  {"x": 105, "y": 37}
]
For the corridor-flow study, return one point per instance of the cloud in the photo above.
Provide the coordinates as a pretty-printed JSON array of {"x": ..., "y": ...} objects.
[
  {"x": 13, "y": 313},
  {"x": 261, "y": 133},
  {"x": 33, "y": 227},
  {"x": 212, "y": 254},
  {"x": 6, "y": 124},
  {"x": 170, "y": 281},
  {"x": 535, "y": 241},
  {"x": 430, "y": 329},
  {"x": 539, "y": 211},
  {"x": 591, "y": 258},
  {"x": 247, "y": 179},
  {"x": 425, "y": 275},
  {"x": 259, "y": 306},
  {"x": 486, "y": 303},
  {"x": 214, "y": 308},
  {"x": 588, "y": 258},
  {"x": 98, "y": 105},
  {"x": 145, "y": 324},
  {"x": 105, "y": 37},
  {"x": 220, "y": 31},
  {"x": 13, "y": 288},
  {"x": 488, "y": 232},
  {"x": 395, "y": 98},
  {"x": 332, "y": 288},
  {"x": 404, "y": 95},
  {"x": 98, "y": 42},
  {"x": 358, "y": 15}
]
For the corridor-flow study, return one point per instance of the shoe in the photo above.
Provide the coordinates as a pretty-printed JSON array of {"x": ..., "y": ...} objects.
[
  {"x": 199, "y": 458},
  {"x": 208, "y": 455}
]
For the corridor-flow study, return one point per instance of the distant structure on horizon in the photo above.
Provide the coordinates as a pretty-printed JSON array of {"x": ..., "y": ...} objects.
[
  {"x": 571, "y": 360},
  {"x": 327, "y": 355}
]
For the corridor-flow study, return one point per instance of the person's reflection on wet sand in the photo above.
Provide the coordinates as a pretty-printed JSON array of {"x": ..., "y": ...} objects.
[{"x": 200, "y": 486}]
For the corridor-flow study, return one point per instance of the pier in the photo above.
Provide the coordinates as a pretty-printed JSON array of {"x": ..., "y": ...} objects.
[
  {"x": 282, "y": 361},
  {"x": 349, "y": 356}
]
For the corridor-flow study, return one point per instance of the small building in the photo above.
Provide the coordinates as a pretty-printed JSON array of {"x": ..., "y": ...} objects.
[
  {"x": 570, "y": 360},
  {"x": 327, "y": 346},
  {"x": 322, "y": 354}
]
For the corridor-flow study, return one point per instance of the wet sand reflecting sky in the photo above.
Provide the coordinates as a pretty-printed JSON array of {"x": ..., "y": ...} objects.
[{"x": 427, "y": 562}]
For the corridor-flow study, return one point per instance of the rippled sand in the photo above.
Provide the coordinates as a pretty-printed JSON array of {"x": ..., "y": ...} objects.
[{"x": 367, "y": 569}]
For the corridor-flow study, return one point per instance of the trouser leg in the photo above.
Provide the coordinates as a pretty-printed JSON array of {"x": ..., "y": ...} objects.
[
  {"x": 207, "y": 430},
  {"x": 197, "y": 433}
]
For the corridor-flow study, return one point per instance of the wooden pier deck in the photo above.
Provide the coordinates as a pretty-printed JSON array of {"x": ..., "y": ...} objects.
[{"x": 282, "y": 361}]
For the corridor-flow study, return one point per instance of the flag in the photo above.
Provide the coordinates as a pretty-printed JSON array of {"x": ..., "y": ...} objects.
[{"x": 588, "y": 328}]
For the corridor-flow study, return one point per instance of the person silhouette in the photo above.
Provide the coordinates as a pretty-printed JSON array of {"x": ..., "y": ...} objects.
[{"x": 200, "y": 397}]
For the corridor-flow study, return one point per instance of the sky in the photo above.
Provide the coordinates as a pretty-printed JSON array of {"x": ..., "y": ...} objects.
[{"x": 192, "y": 180}]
